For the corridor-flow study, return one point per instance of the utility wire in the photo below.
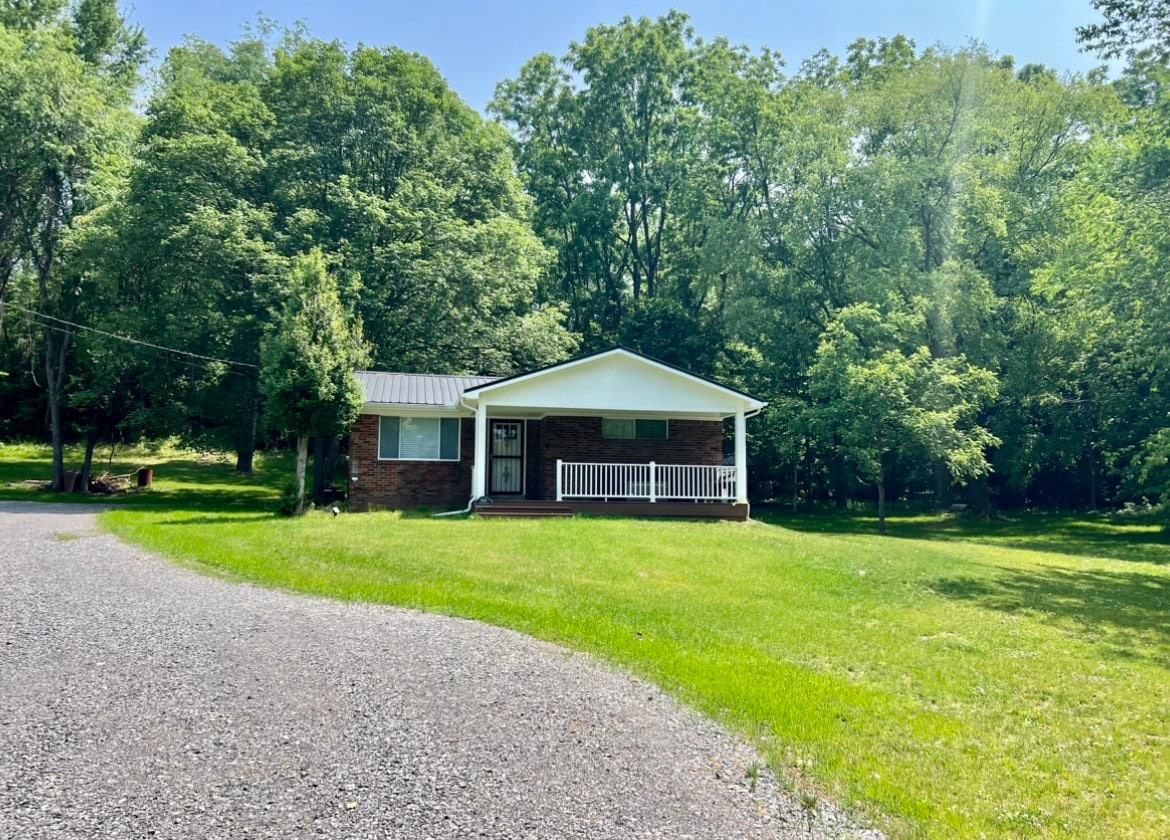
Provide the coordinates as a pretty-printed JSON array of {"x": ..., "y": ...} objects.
[
  {"x": 128, "y": 339},
  {"x": 70, "y": 332}
]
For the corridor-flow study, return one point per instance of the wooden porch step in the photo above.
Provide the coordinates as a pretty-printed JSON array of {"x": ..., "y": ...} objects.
[{"x": 527, "y": 510}]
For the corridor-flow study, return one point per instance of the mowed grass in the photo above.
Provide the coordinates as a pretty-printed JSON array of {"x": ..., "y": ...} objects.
[
  {"x": 957, "y": 679},
  {"x": 183, "y": 479},
  {"x": 966, "y": 685}
]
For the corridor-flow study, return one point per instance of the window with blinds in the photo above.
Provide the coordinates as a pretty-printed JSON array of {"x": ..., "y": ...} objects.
[{"x": 418, "y": 439}]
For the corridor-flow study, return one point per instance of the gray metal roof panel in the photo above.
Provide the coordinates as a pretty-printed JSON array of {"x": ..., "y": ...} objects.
[{"x": 422, "y": 389}]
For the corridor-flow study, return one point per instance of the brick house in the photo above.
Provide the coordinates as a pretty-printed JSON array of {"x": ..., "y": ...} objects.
[{"x": 613, "y": 432}]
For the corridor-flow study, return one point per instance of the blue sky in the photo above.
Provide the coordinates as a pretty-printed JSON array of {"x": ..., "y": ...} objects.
[{"x": 477, "y": 44}]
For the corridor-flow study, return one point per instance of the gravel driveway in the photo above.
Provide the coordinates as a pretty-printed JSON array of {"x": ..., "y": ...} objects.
[{"x": 138, "y": 698}]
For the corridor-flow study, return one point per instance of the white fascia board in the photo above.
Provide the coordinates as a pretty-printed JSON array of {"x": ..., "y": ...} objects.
[
  {"x": 608, "y": 412},
  {"x": 396, "y": 410},
  {"x": 749, "y": 403}
]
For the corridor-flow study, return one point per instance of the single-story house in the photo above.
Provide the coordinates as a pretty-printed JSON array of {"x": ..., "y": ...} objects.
[{"x": 612, "y": 432}]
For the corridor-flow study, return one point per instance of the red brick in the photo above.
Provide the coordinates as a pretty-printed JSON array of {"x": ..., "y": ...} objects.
[{"x": 396, "y": 485}]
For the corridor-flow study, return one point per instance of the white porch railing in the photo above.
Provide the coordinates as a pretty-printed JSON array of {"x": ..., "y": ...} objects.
[{"x": 652, "y": 482}]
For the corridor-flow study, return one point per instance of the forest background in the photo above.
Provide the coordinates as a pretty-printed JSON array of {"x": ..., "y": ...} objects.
[{"x": 945, "y": 269}]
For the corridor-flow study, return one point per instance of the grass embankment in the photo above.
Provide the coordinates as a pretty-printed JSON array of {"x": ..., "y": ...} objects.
[{"x": 957, "y": 679}]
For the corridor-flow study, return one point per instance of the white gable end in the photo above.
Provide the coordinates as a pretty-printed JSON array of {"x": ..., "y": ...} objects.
[{"x": 617, "y": 381}]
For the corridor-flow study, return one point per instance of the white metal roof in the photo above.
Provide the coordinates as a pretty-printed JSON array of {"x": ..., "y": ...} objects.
[{"x": 421, "y": 389}]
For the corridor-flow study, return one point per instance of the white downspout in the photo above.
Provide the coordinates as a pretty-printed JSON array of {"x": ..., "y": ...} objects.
[
  {"x": 479, "y": 468},
  {"x": 740, "y": 457},
  {"x": 480, "y": 452}
]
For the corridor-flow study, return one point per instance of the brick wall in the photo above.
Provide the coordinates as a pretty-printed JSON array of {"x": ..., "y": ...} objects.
[
  {"x": 394, "y": 485},
  {"x": 579, "y": 439},
  {"x": 534, "y": 464},
  {"x": 446, "y": 485}
]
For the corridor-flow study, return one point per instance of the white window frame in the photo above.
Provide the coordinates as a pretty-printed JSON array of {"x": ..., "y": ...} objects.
[
  {"x": 440, "y": 460},
  {"x": 665, "y": 420}
]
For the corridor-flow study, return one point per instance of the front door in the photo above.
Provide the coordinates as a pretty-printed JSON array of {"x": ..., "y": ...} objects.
[{"x": 506, "y": 462}]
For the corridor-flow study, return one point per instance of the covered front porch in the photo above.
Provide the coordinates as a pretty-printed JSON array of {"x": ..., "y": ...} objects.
[{"x": 616, "y": 433}]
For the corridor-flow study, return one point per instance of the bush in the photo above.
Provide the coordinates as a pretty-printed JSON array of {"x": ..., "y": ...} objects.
[{"x": 287, "y": 505}]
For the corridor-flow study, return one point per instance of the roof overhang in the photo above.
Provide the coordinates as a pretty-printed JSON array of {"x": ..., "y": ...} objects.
[{"x": 413, "y": 410}]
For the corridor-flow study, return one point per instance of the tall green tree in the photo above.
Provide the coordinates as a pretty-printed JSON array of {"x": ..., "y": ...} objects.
[
  {"x": 68, "y": 75},
  {"x": 613, "y": 140},
  {"x": 275, "y": 146},
  {"x": 1107, "y": 287},
  {"x": 374, "y": 159},
  {"x": 310, "y": 357},
  {"x": 885, "y": 404},
  {"x": 195, "y": 256}
]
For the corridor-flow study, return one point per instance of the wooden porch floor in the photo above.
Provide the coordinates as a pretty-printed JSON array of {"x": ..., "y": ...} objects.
[{"x": 684, "y": 510}]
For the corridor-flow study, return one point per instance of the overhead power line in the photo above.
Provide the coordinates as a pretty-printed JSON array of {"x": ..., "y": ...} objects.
[{"x": 130, "y": 340}]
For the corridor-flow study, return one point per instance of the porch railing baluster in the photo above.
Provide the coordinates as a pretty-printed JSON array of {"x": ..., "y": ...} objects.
[{"x": 654, "y": 482}]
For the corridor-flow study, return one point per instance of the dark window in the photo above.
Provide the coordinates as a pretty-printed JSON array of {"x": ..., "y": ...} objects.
[{"x": 622, "y": 428}]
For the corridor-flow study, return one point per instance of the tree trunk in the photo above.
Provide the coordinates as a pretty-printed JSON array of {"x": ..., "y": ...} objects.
[
  {"x": 56, "y": 351},
  {"x": 1092, "y": 480},
  {"x": 247, "y": 419},
  {"x": 981, "y": 498},
  {"x": 942, "y": 485},
  {"x": 795, "y": 482},
  {"x": 839, "y": 482},
  {"x": 318, "y": 469},
  {"x": 325, "y": 454},
  {"x": 57, "y": 482},
  {"x": 302, "y": 460},
  {"x": 56, "y": 337},
  {"x": 91, "y": 439},
  {"x": 882, "y": 506}
]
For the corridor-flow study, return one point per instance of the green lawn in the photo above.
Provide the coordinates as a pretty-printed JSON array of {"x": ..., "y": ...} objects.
[
  {"x": 183, "y": 479},
  {"x": 956, "y": 679}
]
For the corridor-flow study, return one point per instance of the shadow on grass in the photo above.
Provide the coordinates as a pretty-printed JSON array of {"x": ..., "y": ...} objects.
[
  {"x": 179, "y": 485},
  {"x": 1123, "y": 612},
  {"x": 220, "y": 517},
  {"x": 209, "y": 515},
  {"x": 1108, "y": 537}
]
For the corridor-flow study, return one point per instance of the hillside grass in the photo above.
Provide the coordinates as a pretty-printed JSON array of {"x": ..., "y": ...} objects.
[
  {"x": 183, "y": 478},
  {"x": 957, "y": 679}
]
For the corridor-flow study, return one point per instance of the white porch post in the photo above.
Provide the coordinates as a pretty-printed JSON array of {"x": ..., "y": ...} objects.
[
  {"x": 740, "y": 458},
  {"x": 479, "y": 468},
  {"x": 560, "y": 480}
]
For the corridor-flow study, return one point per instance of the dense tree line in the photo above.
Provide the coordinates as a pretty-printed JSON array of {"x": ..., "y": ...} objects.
[
  {"x": 941, "y": 268},
  {"x": 944, "y": 270}
]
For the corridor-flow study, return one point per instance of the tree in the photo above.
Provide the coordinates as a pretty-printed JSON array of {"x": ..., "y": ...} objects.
[
  {"x": 1107, "y": 291},
  {"x": 414, "y": 196},
  {"x": 613, "y": 141},
  {"x": 1134, "y": 28},
  {"x": 309, "y": 361},
  {"x": 881, "y": 405},
  {"x": 195, "y": 253},
  {"x": 67, "y": 78},
  {"x": 283, "y": 143}
]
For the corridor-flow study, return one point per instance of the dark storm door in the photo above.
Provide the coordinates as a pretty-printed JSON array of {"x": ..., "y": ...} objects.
[{"x": 506, "y": 463}]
